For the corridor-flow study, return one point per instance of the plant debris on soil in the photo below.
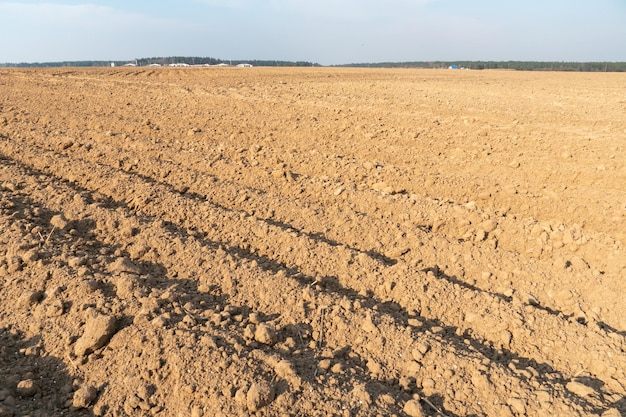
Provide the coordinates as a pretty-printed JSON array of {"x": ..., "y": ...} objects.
[{"x": 312, "y": 242}]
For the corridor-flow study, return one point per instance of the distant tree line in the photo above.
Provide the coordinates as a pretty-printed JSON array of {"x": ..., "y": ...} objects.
[
  {"x": 510, "y": 65},
  {"x": 190, "y": 60},
  {"x": 474, "y": 65}
]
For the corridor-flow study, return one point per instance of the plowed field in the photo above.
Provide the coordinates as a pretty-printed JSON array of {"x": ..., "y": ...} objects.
[{"x": 312, "y": 242}]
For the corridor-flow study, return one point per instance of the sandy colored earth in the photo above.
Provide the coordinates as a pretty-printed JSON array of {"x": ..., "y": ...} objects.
[{"x": 312, "y": 242}]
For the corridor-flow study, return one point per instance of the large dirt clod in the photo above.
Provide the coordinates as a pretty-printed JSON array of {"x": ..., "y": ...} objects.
[{"x": 97, "y": 332}]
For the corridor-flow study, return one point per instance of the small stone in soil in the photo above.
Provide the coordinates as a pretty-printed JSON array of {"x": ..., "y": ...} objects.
[
  {"x": 84, "y": 397},
  {"x": 285, "y": 369},
  {"x": 26, "y": 388},
  {"x": 259, "y": 395},
  {"x": 265, "y": 334},
  {"x": 124, "y": 264},
  {"x": 414, "y": 409},
  {"x": 59, "y": 221}
]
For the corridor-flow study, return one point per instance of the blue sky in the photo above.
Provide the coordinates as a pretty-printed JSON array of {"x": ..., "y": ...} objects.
[{"x": 322, "y": 31}]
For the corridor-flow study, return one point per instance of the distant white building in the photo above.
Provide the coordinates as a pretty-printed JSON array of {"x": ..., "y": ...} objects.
[{"x": 244, "y": 65}]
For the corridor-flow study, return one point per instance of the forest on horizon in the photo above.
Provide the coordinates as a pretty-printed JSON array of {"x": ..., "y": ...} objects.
[{"x": 472, "y": 65}]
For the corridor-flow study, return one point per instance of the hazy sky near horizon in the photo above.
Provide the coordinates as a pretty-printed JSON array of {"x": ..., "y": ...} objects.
[{"x": 322, "y": 31}]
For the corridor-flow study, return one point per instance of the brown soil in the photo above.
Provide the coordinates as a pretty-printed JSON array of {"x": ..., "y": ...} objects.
[{"x": 324, "y": 242}]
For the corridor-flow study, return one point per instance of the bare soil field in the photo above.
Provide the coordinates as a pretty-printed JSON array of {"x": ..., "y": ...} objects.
[{"x": 312, "y": 242}]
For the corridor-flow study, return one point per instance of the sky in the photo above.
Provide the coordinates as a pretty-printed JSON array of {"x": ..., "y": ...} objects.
[{"x": 327, "y": 32}]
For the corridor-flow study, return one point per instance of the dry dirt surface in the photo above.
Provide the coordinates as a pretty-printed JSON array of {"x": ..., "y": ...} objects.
[{"x": 312, "y": 242}]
